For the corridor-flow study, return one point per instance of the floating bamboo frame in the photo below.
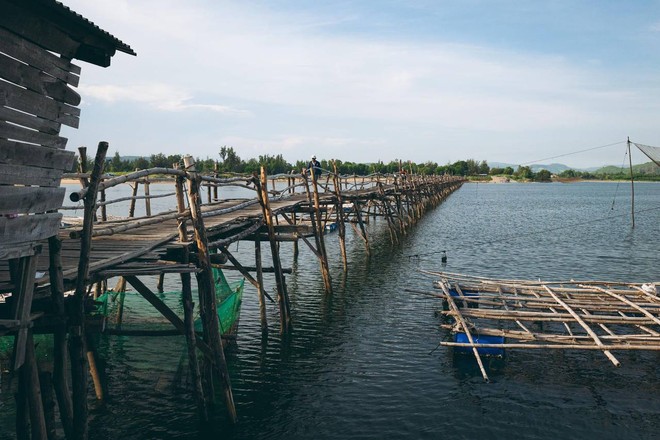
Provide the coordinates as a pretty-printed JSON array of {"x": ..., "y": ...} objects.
[{"x": 583, "y": 315}]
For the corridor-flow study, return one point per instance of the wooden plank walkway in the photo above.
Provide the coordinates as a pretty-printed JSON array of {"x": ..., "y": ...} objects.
[{"x": 114, "y": 248}]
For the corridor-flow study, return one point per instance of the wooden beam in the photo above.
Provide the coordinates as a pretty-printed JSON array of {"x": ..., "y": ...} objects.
[
  {"x": 36, "y": 56},
  {"x": 31, "y": 102},
  {"x": 243, "y": 271},
  {"x": 34, "y": 79},
  {"x": 11, "y": 131},
  {"x": 29, "y": 199},
  {"x": 27, "y": 175},
  {"x": 29, "y": 120},
  {"x": 28, "y": 228},
  {"x": 19, "y": 153}
]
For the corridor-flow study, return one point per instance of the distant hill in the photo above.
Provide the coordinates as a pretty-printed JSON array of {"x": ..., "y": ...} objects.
[
  {"x": 554, "y": 168},
  {"x": 648, "y": 168}
]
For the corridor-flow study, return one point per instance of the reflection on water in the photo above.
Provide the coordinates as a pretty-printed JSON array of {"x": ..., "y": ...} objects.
[{"x": 362, "y": 364}]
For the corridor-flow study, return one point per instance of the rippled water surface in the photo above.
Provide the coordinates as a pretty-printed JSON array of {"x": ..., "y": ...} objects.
[{"x": 363, "y": 362}]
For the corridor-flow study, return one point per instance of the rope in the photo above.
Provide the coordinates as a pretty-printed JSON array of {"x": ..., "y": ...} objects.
[{"x": 574, "y": 152}]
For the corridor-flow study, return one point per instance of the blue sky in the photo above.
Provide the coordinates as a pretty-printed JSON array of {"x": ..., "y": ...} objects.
[{"x": 502, "y": 81}]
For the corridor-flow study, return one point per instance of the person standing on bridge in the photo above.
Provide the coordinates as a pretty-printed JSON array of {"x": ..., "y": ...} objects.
[{"x": 314, "y": 167}]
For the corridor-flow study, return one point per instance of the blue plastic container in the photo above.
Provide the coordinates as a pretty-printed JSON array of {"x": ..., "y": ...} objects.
[
  {"x": 457, "y": 299},
  {"x": 480, "y": 339}
]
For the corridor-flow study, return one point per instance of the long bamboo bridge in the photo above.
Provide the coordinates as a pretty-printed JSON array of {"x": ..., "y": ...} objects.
[{"x": 189, "y": 239}]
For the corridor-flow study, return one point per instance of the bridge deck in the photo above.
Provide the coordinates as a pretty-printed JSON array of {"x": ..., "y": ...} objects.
[{"x": 141, "y": 246}]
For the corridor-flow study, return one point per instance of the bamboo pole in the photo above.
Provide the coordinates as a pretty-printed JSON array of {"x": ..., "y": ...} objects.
[
  {"x": 553, "y": 346},
  {"x": 466, "y": 329},
  {"x": 588, "y": 329},
  {"x": 629, "y": 303},
  {"x": 632, "y": 187}
]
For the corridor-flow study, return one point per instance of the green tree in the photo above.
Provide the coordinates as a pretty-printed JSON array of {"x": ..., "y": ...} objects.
[
  {"x": 524, "y": 172},
  {"x": 231, "y": 162},
  {"x": 543, "y": 176}
]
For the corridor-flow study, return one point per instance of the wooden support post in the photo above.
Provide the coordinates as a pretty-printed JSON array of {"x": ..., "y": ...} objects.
[
  {"x": 260, "y": 280},
  {"x": 30, "y": 373},
  {"x": 189, "y": 322},
  {"x": 282, "y": 296},
  {"x": 318, "y": 230},
  {"x": 22, "y": 408},
  {"x": 131, "y": 206},
  {"x": 215, "y": 185},
  {"x": 94, "y": 372},
  {"x": 294, "y": 219},
  {"x": 77, "y": 336},
  {"x": 104, "y": 210},
  {"x": 181, "y": 207},
  {"x": 147, "y": 199},
  {"x": 161, "y": 281},
  {"x": 60, "y": 352},
  {"x": 120, "y": 289},
  {"x": 340, "y": 216},
  {"x": 363, "y": 229},
  {"x": 82, "y": 166},
  {"x": 48, "y": 402},
  {"x": 632, "y": 187},
  {"x": 23, "y": 278},
  {"x": 206, "y": 285}
]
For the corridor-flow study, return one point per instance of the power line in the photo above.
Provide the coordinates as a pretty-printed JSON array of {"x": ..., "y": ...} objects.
[{"x": 574, "y": 152}]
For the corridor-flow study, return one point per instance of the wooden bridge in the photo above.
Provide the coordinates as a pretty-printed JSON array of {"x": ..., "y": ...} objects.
[{"x": 87, "y": 252}]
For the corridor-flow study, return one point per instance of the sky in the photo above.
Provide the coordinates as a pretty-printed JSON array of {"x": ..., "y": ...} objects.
[{"x": 511, "y": 81}]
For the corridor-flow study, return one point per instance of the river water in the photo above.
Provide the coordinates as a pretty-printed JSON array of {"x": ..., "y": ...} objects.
[{"x": 363, "y": 362}]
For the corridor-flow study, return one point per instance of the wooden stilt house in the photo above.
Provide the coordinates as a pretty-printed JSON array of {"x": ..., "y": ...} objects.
[{"x": 38, "y": 41}]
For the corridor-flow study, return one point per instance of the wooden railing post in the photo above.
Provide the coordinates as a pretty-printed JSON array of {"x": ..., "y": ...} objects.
[
  {"x": 77, "y": 336},
  {"x": 207, "y": 294},
  {"x": 282, "y": 296}
]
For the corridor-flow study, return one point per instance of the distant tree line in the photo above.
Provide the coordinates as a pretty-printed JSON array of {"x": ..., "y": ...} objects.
[{"x": 228, "y": 161}]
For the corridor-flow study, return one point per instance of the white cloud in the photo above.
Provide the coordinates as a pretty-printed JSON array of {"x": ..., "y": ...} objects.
[
  {"x": 268, "y": 64},
  {"x": 158, "y": 96}
]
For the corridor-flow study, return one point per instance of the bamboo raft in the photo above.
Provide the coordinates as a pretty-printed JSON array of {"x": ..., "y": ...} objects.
[{"x": 498, "y": 314}]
